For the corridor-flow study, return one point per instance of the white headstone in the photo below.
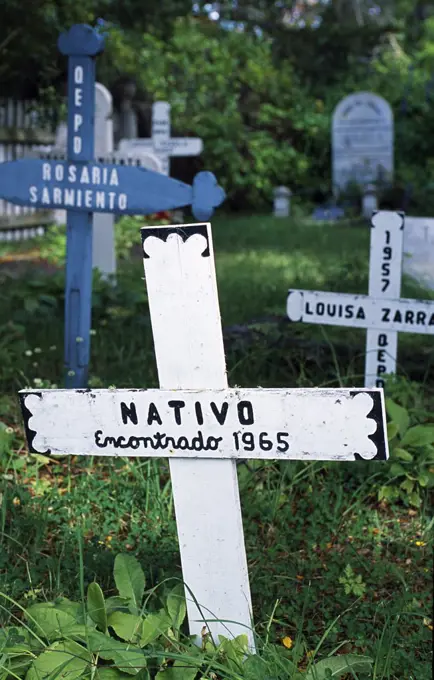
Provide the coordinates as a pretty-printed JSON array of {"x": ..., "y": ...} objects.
[
  {"x": 382, "y": 312},
  {"x": 103, "y": 235},
  {"x": 369, "y": 201},
  {"x": 419, "y": 249},
  {"x": 282, "y": 198},
  {"x": 362, "y": 140},
  {"x": 202, "y": 426}
]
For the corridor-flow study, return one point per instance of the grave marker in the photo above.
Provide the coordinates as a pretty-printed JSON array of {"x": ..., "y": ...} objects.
[
  {"x": 382, "y": 313},
  {"x": 419, "y": 249},
  {"x": 203, "y": 426},
  {"x": 103, "y": 235},
  {"x": 82, "y": 187},
  {"x": 161, "y": 143},
  {"x": 362, "y": 140}
]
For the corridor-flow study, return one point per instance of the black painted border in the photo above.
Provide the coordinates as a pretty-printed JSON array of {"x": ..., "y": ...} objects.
[
  {"x": 184, "y": 231},
  {"x": 379, "y": 438},
  {"x": 401, "y": 213},
  {"x": 27, "y": 414}
]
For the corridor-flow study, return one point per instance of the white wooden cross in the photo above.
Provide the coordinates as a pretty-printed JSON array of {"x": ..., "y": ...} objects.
[
  {"x": 103, "y": 233},
  {"x": 202, "y": 426},
  {"x": 160, "y": 143},
  {"x": 382, "y": 312}
]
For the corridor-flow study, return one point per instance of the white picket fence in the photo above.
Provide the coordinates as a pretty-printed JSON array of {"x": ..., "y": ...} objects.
[{"x": 21, "y": 133}]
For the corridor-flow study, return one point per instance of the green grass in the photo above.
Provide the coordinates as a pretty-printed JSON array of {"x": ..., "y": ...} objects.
[{"x": 304, "y": 523}]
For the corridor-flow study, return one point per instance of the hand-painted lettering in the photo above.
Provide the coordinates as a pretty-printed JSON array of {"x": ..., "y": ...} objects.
[
  {"x": 159, "y": 441},
  {"x": 245, "y": 413},
  {"x": 220, "y": 416},
  {"x": 248, "y": 442},
  {"x": 153, "y": 415},
  {"x": 199, "y": 413},
  {"x": 129, "y": 413},
  {"x": 177, "y": 406},
  {"x": 385, "y": 314},
  {"x": 335, "y": 310}
]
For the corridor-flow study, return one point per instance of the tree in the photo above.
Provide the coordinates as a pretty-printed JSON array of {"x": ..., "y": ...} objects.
[{"x": 29, "y": 59}]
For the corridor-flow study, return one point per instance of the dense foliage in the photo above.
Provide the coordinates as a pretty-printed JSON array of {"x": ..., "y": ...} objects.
[{"x": 258, "y": 85}]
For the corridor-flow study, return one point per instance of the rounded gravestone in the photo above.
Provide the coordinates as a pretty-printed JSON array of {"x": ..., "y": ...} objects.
[
  {"x": 103, "y": 120},
  {"x": 362, "y": 140}
]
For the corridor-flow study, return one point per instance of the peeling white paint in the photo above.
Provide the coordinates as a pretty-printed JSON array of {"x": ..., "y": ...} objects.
[{"x": 305, "y": 424}]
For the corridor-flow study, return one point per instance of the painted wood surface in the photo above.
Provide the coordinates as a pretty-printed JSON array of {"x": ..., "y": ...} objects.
[
  {"x": 80, "y": 44},
  {"x": 320, "y": 424},
  {"x": 362, "y": 140},
  {"x": 361, "y": 311},
  {"x": 385, "y": 272},
  {"x": 185, "y": 315},
  {"x": 202, "y": 426},
  {"x": 161, "y": 143},
  {"x": 94, "y": 187},
  {"x": 83, "y": 187}
]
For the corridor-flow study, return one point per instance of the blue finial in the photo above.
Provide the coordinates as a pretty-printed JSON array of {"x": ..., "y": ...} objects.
[
  {"x": 207, "y": 195},
  {"x": 81, "y": 40}
]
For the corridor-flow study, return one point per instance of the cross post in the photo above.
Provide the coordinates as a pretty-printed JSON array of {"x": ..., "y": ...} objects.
[
  {"x": 202, "y": 426},
  {"x": 382, "y": 312}
]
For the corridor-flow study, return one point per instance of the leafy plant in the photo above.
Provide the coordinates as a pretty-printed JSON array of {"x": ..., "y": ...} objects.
[
  {"x": 117, "y": 637},
  {"x": 353, "y": 584},
  {"x": 411, "y": 452}
]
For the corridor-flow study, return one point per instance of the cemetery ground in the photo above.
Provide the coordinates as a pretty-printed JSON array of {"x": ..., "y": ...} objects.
[{"x": 339, "y": 554}]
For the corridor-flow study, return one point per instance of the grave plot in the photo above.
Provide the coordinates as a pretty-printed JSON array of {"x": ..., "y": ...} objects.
[
  {"x": 83, "y": 187},
  {"x": 202, "y": 426},
  {"x": 103, "y": 234},
  {"x": 362, "y": 140},
  {"x": 382, "y": 313}
]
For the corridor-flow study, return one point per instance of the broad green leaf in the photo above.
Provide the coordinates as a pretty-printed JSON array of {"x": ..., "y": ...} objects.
[
  {"x": 96, "y": 606},
  {"x": 407, "y": 485},
  {"x": 129, "y": 579},
  {"x": 12, "y": 635},
  {"x": 116, "y": 603},
  {"x": 153, "y": 626},
  {"x": 387, "y": 492},
  {"x": 49, "y": 621},
  {"x": 339, "y": 666},
  {"x": 126, "y": 657},
  {"x": 415, "y": 499},
  {"x": 423, "y": 479},
  {"x": 126, "y": 626},
  {"x": 16, "y": 650},
  {"x": 65, "y": 660},
  {"x": 234, "y": 649},
  {"x": 107, "y": 673},
  {"x": 179, "y": 671},
  {"x": 392, "y": 431},
  {"x": 399, "y": 415},
  {"x": 74, "y": 609},
  {"x": 402, "y": 454},
  {"x": 397, "y": 470},
  {"x": 176, "y": 606},
  {"x": 419, "y": 435}
]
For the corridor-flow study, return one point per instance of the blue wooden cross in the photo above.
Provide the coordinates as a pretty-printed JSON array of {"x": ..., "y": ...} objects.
[{"x": 82, "y": 186}]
